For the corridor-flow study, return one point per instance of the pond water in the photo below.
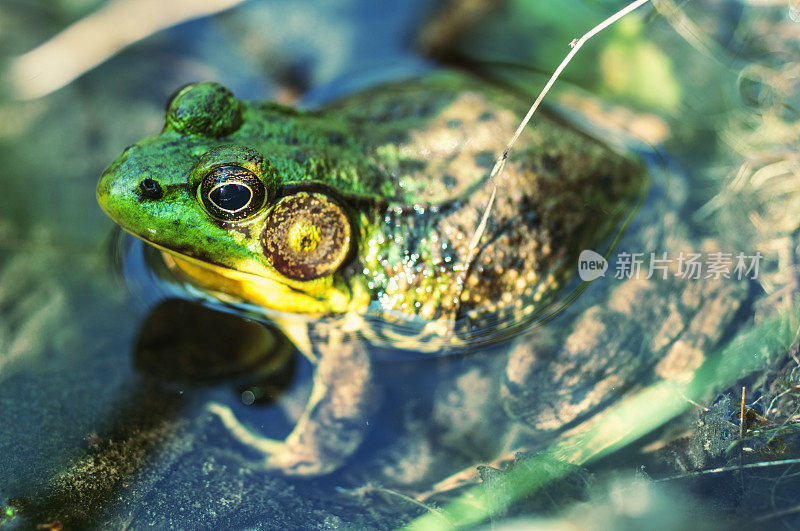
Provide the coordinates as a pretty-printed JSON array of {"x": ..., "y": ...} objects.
[{"x": 107, "y": 371}]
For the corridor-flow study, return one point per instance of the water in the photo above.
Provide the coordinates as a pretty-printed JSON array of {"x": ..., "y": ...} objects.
[{"x": 101, "y": 427}]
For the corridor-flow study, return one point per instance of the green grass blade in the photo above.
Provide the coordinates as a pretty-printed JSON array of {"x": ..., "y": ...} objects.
[{"x": 621, "y": 424}]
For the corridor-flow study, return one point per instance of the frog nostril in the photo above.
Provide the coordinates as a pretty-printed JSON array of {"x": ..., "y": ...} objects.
[{"x": 150, "y": 189}]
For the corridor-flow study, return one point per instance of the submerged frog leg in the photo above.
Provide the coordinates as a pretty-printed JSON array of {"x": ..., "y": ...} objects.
[
  {"x": 646, "y": 330},
  {"x": 333, "y": 424},
  {"x": 241, "y": 432}
]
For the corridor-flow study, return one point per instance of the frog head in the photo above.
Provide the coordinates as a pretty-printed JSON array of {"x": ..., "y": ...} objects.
[{"x": 255, "y": 200}]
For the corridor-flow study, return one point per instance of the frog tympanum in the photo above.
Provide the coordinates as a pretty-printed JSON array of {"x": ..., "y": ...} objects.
[{"x": 349, "y": 226}]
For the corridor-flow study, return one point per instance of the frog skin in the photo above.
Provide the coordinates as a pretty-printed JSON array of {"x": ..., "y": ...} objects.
[{"x": 349, "y": 227}]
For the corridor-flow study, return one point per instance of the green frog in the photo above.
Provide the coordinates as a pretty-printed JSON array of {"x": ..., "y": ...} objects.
[{"x": 349, "y": 227}]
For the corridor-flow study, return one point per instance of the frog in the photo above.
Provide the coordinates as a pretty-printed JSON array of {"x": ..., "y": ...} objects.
[{"x": 352, "y": 228}]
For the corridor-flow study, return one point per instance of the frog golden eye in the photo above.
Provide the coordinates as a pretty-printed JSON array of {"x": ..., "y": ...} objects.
[
  {"x": 306, "y": 236},
  {"x": 231, "y": 193}
]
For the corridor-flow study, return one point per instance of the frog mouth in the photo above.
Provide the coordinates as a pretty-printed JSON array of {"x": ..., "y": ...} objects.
[
  {"x": 232, "y": 285},
  {"x": 235, "y": 286}
]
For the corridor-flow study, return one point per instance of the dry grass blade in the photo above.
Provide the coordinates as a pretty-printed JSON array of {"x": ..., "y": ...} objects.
[
  {"x": 497, "y": 170},
  {"x": 741, "y": 415},
  {"x": 98, "y": 37},
  {"x": 723, "y": 469}
]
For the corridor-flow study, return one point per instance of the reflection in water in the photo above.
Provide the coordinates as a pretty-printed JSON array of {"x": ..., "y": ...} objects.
[
  {"x": 186, "y": 343},
  {"x": 180, "y": 344}
]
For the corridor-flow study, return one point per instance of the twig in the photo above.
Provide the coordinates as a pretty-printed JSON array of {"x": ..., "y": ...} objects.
[
  {"x": 693, "y": 402},
  {"x": 409, "y": 499},
  {"x": 741, "y": 417},
  {"x": 88, "y": 42},
  {"x": 686, "y": 28},
  {"x": 499, "y": 165},
  {"x": 777, "y": 514},
  {"x": 720, "y": 470},
  {"x": 776, "y": 483}
]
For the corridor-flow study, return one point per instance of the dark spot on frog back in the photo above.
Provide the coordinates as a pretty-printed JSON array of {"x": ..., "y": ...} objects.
[
  {"x": 336, "y": 138},
  {"x": 412, "y": 165},
  {"x": 406, "y": 108},
  {"x": 396, "y": 138},
  {"x": 551, "y": 162},
  {"x": 424, "y": 109},
  {"x": 485, "y": 160}
]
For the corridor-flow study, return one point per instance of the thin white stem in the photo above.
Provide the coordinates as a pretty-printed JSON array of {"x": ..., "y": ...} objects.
[
  {"x": 499, "y": 165},
  {"x": 576, "y": 45},
  {"x": 735, "y": 468}
]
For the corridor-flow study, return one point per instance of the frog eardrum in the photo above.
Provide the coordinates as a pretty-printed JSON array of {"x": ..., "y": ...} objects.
[
  {"x": 231, "y": 193},
  {"x": 306, "y": 236}
]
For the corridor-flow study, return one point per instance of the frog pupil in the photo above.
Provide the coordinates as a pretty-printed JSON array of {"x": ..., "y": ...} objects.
[
  {"x": 231, "y": 196},
  {"x": 231, "y": 193}
]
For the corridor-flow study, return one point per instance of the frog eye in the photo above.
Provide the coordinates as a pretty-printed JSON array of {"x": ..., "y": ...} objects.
[
  {"x": 231, "y": 193},
  {"x": 306, "y": 236},
  {"x": 206, "y": 109},
  {"x": 176, "y": 93}
]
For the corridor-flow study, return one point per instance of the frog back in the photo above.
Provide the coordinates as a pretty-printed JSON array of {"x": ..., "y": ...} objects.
[{"x": 561, "y": 192}]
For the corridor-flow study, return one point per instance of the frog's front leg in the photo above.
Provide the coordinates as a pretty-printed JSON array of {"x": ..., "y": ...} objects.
[{"x": 333, "y": 424}]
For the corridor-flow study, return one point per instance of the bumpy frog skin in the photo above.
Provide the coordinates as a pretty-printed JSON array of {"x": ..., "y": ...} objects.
[
  {"x": 408, "y": 165},
  {"x": 342, "y": 221}
]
